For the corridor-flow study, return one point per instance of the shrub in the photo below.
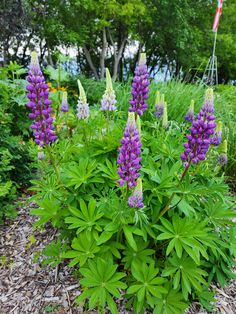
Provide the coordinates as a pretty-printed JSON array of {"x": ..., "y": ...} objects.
[
  {"x": 159, "y": 257},
  {"x": 15, "y": 170}
]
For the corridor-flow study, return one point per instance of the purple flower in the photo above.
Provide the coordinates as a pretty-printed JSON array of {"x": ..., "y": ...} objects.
[
  {"x": 190, "y": 114},
  {"x": 129, "y": 154},
  {"x": 136, "y": 199},
  {"x": 159, "y": 105},
  {"x": 201, "y": 131},
  {"x": 217, "y": 136},
  {"x": 82, "y": 105},
  {"x": 140, "y": 87},
  {"x": 39, "y": 104},
  {"x": 64, "y": 104},
  {"x": 108, "y": 101}
]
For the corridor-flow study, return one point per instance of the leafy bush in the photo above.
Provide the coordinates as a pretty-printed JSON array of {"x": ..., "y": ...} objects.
[
  {"x": 160, "y": 257},
  {"x": 15, "y": 169}
]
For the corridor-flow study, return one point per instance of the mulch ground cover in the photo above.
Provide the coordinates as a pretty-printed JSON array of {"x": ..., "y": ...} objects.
[{"x": 27, "y": 287}]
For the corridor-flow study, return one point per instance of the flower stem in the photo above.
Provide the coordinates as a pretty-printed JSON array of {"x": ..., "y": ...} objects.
[
  {"x": 167, "y": 207},
  {"x": 48, "y": 148}
]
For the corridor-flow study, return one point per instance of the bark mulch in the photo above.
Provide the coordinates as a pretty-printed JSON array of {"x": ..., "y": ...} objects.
[{"x": 26, "y": 287}]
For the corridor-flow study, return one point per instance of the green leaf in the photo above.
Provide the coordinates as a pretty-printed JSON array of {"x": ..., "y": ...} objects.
[{"x": 129, "y": 237}]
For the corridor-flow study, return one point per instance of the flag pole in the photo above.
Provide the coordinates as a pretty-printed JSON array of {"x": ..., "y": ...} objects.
[{"x": 214, "y": 61}]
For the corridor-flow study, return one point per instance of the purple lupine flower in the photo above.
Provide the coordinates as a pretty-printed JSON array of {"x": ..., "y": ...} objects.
[
  {"x": 160, "y": 104},
  {"x": 82, "y": 105},
  {"x": 136, "y": 199},
  {"x": 140, "y": 87},
  {"x": 64, "y": 104},
  {"x": 223, "y": 159},
  {"x": 201, "y": 130},
  {"x": 190, "y": 114},
  {"x": 108, "y": 102},
  {"x": 129, "y": 154},
  {"x": 217, "y": 136},
  {"x": 39, "y": 104}
]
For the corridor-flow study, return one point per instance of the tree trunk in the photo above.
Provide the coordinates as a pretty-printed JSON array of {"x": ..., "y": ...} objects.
[
  {"x": 90, "y": 62},
  {"x": 103, "y": 53},
  {"x": 118, "y": 52},
  {"x": 49, "y": 54}
]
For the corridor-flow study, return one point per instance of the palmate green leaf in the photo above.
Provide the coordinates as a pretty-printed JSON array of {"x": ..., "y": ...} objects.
[
  {"x": 111, "y": 248},
  {"x": 49, "y": 210},
  {"x": 54, "y": 253},
  {"x": 206, "y": 299},
  {"x": 84, "y": 247},
  {"x": 47, "y": 188},
  {"x": 109, "y": 170},
  {"x": 110, "y": 229},
  {"x": 170, "y": 303},
  {"x": 186, "y": 234},
  {"x": 102, "y": 282},
  {"x": 142, "y": 254},
  {"x": 85, "y": 218},
  {"x": 185, "y": 274},
  {"x": 83, "y": 173},
  {"x": 147, "y": 286},
  {"x": 220, "y": 213},
  {"x": 129, "y": 232}
]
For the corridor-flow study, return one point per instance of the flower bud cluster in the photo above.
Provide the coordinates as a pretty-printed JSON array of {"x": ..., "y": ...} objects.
[
  {"x": 217, "y": 136},
  {"x": 140, "y": 87},
  {"x": 201, "y": 131},
  {"x": 136, "y": 199},
  {"x": 223, "y": 159},
  {"x": 190, "y": 114},
  {"x": 82, "y": 105},
  {"x": 39, "y": 105},
  {"x": 159, "y": 105},
  {"x": 108, "y": 102},
  {"x": 64, "y": 104}
]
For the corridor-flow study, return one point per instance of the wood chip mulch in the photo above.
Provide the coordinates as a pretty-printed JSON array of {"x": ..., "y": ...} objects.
[{"x": 26, "y": 287}]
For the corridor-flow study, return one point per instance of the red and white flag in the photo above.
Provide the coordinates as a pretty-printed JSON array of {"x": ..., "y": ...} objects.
[{"x": 217, "y": 16}]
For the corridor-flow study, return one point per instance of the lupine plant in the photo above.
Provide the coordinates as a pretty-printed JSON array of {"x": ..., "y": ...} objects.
[{"x": 141, "y": 217}]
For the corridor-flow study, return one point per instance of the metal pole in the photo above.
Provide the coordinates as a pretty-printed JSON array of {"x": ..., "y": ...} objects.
[{"x": 213, "y": 60}]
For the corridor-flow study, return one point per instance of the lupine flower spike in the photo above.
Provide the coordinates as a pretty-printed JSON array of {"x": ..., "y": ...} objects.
[
  {"x": 82, "y": 106},
  {"x": 160, "y": 104},
  {"x": 165, "y": 122},
  {"x": 223, "y": 159},
  {"x": 64, "y": 104},
  {"x": 39, "y": 104},
  {"x": 217, "y": 136},
  {"x": 129, "y": 154},
  {"x": 136, "y": 199},
  {"x": 190, "y": 114},
  {"x": 201, "y": 131},
  {"x": 140, "y": 87},
  {"x": 108, "y": 102}
]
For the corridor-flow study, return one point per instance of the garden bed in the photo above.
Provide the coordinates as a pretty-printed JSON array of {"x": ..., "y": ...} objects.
[{"x": 27, "y": 287}]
